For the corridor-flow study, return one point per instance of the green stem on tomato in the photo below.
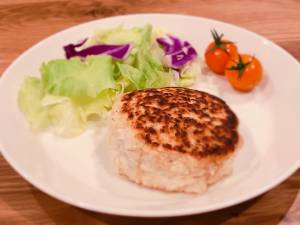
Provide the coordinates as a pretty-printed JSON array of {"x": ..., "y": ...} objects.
[
  {"x": 218, "y": 41},
  {"x": 240, "y": 66}
]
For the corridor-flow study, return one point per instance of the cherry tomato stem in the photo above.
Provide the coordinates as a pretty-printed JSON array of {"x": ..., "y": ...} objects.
[
  {"x": 244, "y": 72},
  {"x": 219, "y": 52}
]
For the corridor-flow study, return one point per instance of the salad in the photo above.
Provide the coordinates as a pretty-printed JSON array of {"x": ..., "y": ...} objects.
[{"x": 83, "y": 86}]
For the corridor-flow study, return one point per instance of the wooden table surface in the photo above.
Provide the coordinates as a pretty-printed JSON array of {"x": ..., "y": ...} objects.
[{"x": 25, "y": 22}]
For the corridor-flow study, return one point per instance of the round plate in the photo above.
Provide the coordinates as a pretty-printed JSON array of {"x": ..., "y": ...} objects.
[{"x": 75, "y": 170}]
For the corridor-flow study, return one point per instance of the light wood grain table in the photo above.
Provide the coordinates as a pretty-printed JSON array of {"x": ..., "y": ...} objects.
[{"x": 25, "y": 22}]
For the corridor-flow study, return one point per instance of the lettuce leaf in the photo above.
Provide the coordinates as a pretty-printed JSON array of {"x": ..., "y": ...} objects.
[
  {"x": 144, "y": 69},
  {"x": 100, "y": 105},
  {"x": 189, "y": 74},
  {"x": 118, "y": 35},
  {"x": 67, "y": 119},
  {"x": 77, "y": 78},
  {"x": 132, "y": 74},
  {"x": 70, "y": 93},
  {"x": 153, "y": 70},
  {"x": 29, "y": 100}
]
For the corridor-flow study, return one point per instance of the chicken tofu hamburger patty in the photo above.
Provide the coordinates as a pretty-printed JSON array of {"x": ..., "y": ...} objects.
[{"x": 173, "y": 139}]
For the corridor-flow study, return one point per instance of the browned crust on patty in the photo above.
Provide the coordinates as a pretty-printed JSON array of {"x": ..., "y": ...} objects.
[{"x": 183, "y": 120}]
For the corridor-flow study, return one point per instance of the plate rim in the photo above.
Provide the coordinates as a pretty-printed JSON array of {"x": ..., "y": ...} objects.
[{"x": 134, "y": 212}]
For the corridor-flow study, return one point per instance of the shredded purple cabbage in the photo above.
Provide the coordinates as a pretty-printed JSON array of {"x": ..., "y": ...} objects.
[
  {"x": 178, "y": 53},
  {"x": 118, "y": 52}
]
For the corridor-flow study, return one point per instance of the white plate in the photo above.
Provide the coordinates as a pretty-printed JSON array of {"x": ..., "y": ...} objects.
[{"x": 74, "y": 170}]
